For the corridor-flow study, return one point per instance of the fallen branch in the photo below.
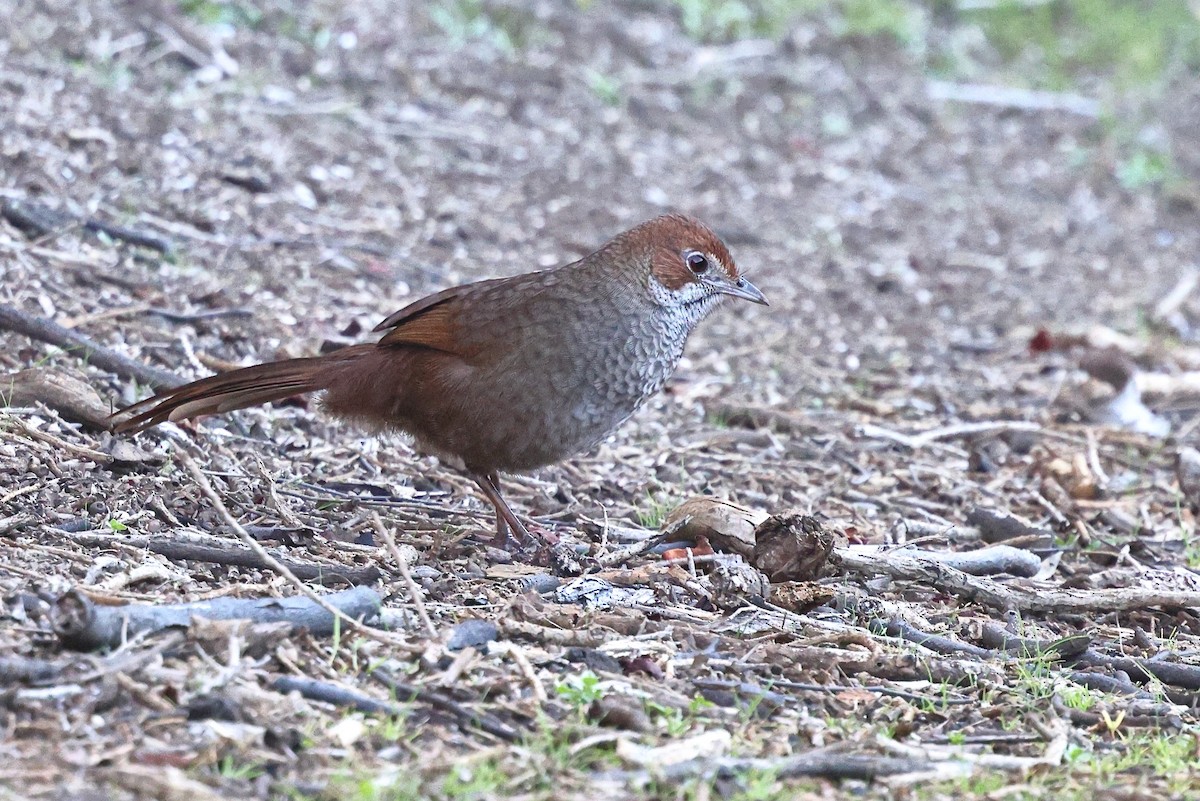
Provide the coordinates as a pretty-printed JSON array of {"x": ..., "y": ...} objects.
[
  {"x": 942, "y": 578},
  {"x": 1012, "y": 97},
  {"x": 1070, "y": 650},
  {"x": 996, "y": 528},
  {"x": 57, "y": 443},
  {"x": 1010, "y": 597},
  {"x": 891, "y": 666},
  {"x": 1056, "y": 732},
  {"x": 130, "y": 235},
  {"x": 824, "y": 763},
  {"x": 1070, "y": 647},
  {"x": 83, "y": 625},
  {"x": 172, "y": 316},
  {"x": 622, "y": 555},
  {"x": 227, "y": 554},
  {"x": 38, "y": 220},
  {"x": 20, "y": 670},
  {"x": 934, "y": 642},
  {"x": 37, "y": 328},
  {"x": 414, "y": 590},
  {"x": 1108, "y": 684},
  {"x": 1173, "y": 300},
  {"x": 926, "y": 438},
  {"x": 13, "y": 522},
  {"x": 1176, "y": 674},
  {"x": 783, "y": 684},
  {"x": 1158, "y": 716},
  {"x": 1124, "y": 599},
  {"x": 979, "y": 562},
  {"x": 337, "y": 695}
]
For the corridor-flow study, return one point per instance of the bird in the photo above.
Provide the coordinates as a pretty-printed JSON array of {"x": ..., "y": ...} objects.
[{"x": 504, "y": 375}]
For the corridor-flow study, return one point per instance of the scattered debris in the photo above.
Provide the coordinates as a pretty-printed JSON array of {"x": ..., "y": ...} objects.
[{"x": 887, "y": 395}]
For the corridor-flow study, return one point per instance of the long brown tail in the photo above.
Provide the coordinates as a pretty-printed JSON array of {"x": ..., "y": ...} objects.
[{"x": 239, "y": 389}]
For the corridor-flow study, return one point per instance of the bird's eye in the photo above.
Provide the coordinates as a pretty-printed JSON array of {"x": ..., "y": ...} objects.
[{"x": 697, "y": 263}]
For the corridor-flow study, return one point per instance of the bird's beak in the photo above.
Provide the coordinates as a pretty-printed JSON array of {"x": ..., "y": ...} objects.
[{"x": 741, "y": 288}]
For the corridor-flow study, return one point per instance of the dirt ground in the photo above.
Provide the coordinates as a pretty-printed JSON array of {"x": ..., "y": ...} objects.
[{"x": 313, "y": 167}]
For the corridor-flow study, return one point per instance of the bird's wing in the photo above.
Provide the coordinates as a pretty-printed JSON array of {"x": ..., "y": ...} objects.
[
  {"x": 435, "y": 322},
  {"x": 456, "y": 320},
  {"x": 428, "y": 323}
]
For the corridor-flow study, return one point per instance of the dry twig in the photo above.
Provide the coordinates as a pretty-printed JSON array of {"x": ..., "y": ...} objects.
[
  {"x": 13, "y": 319},
  {"x": 414, "y": 591},
  {"x": 206, "y": 487}
]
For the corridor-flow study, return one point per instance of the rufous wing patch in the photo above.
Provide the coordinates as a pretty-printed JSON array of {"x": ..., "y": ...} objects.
[
  {"x": 430, "y": 327},
  {"x": 418, "y": 307}
]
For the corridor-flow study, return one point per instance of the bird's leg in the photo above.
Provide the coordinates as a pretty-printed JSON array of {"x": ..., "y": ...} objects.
[
  {"x": 506, "y": 519},
  {"x": 501, "y": 538}
]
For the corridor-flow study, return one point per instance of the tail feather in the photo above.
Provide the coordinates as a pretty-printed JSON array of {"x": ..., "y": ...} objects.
[{"x": 239, "y": 389}]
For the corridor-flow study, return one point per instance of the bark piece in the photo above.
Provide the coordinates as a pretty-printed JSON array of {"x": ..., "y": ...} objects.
[
  {"x": 791, "y": 547},
  {"x": 64, "y": 391},
  {"x": 734, "y": 580}
]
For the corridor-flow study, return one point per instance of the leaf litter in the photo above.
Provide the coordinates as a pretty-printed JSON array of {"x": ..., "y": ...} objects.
[{"x": 900, "y": 529}]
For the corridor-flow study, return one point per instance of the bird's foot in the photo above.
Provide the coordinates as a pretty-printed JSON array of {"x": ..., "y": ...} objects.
[{"x": 527, "y": 539}]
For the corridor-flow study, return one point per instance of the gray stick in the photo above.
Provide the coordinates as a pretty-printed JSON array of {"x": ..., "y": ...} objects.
[
  {"x": 84, "y": 626},
  {"x": 42, "y": 330}
]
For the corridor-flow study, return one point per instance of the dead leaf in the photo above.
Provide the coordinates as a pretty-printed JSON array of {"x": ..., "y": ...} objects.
[
  {"x": 800, "y": 596},
  {"x": 727, "y": 526},
  {"x": 125, "y": 454}
]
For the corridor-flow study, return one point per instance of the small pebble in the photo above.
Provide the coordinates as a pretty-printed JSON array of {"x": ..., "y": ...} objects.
[{"x": 472, "y": 633}]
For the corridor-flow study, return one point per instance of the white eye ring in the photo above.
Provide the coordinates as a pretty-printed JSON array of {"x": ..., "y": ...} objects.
[{"x": 697, "y": 262}]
